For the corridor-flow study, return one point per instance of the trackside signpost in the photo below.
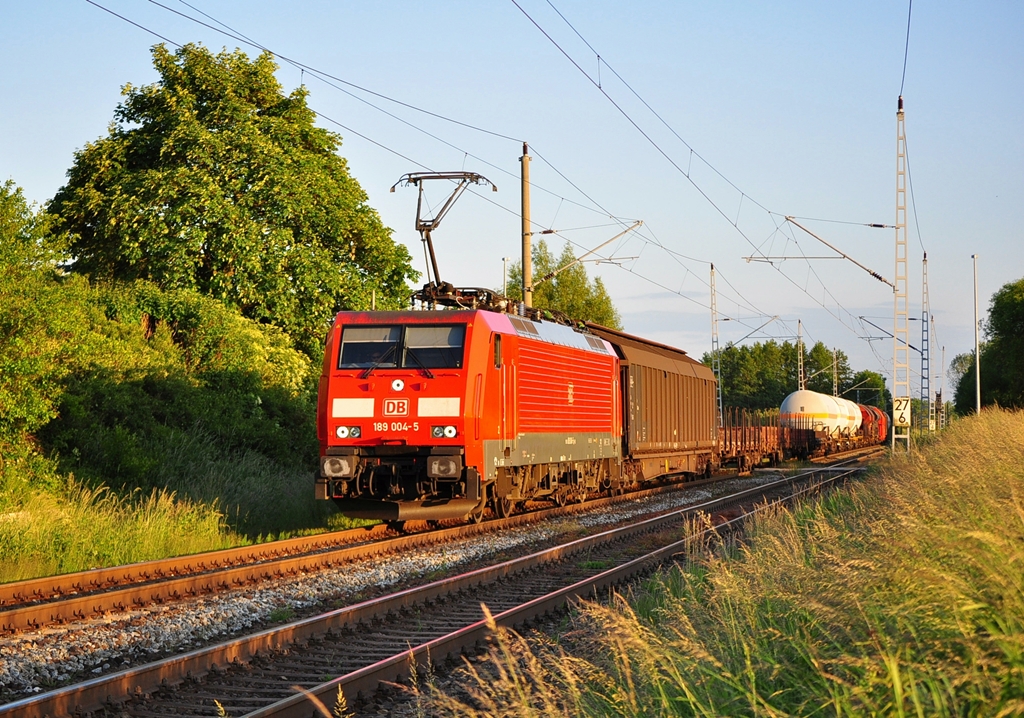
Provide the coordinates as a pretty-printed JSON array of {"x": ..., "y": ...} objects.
[{"x": 901, "y": 411}]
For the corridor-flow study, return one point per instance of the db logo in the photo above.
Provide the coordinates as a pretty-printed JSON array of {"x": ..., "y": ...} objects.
[{"x": 396, "y": 407}]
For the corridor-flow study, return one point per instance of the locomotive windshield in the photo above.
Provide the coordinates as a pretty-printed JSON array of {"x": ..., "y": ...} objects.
[{"x": 423, "y": 347}]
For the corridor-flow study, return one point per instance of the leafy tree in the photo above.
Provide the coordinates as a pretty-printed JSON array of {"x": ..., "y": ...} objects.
[
  {"x": 958, "y": 368},
  {"x": 761, "y": 375},
  {"x": 1002, "y": 355},
  {"x": 33, "y": 321},
  {"x": 570, "y": 291},
  {"x": 818, "y": 366},
  {"x": 212, "y": 179},
  {"x": 868, "y": 387},
  {"x": 25, "y": 240}
]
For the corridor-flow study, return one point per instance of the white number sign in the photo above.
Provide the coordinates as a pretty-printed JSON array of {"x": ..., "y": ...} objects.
[{"x": 901, "y": 411}]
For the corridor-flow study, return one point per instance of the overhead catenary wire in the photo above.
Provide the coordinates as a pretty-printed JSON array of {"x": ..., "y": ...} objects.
[
  {"x": 634, "y": 123},
  {"x": 906, "y": 48},
  {"x": 365, "y": 137},
  {"x": 677, "y": 256},
  {"x": 686, "y": 174},
  {"x": 327, "y": 77},
  {"x": 238, "y": 36}
]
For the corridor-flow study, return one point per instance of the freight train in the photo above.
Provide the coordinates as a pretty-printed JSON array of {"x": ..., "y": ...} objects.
[{"x": 438, "y": 414}]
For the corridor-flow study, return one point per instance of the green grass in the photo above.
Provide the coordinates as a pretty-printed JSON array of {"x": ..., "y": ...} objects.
[
  {"x": 902, "y": 596},
  {"x": 71, "y": 527}
]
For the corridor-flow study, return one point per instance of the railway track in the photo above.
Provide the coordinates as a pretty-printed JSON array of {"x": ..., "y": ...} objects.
[
  {"x": 357, "y": 647},
  {"x": 36, "y": 603}
]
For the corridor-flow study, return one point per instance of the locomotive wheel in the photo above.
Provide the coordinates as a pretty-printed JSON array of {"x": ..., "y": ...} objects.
[
  {"x": 504, "y": 507},
  {"x": 477, "y": 515}
]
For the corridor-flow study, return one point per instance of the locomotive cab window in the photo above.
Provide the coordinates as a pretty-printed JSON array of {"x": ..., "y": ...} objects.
[
  {"x": 423, "y": 347},
  {"x": 434, "y": 347},
  {"x": 364, "y": 347}
]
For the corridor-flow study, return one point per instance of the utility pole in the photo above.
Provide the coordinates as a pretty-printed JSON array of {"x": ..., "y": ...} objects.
[
  {"x": 942, "y": 392},
  {"x": 801, "y": 384},
  {"x": 926, "y": 387},
  {"x": 504, "y": 275},
  {"x": 900, "y": 338},
  {"x": 527, "y": 234},
  {"x": 977, "y": 343},
  {"x": 835, "y": 372},
  {"x": 716, "y": 359}
]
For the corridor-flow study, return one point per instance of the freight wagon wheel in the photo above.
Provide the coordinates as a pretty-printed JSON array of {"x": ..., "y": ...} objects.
[
  {"x": 560, "y": 498},
  {"x": 504, "y": 507}
]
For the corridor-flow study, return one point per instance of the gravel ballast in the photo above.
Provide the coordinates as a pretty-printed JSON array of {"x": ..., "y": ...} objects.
[{"x": 34, "y": 661}]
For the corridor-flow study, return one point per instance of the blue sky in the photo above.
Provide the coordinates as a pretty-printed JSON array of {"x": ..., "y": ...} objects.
[{"x": 791, "y": 106}]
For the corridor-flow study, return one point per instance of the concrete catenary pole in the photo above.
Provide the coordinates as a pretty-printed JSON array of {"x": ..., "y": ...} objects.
[
  {"x": 527, "y": 234},
  {"x": 977, "y": 343}
]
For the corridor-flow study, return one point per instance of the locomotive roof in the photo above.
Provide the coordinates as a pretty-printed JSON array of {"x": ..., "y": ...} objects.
[{"x": 550, "y": 332}]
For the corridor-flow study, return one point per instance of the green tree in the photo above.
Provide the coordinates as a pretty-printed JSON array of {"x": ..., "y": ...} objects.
[
  {"x": 1002, "y": 355},
  {"x": 25, "y": 240},
  {"x": 818, "y": 366},
  {"x": 757, "y": 376},
  {"x": 761, "y": 375},
  {"x": 570, "y": 291},
  {"x": 33, "y": 324},
  {"x": 212, "y": 179},
  {"x": 868, "y": 387}
]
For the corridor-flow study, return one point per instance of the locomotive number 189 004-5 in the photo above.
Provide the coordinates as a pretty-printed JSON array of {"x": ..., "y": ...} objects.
[{"x": 396, "y": 426}]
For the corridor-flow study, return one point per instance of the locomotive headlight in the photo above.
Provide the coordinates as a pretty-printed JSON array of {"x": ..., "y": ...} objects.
[
  {"x": 449, "y": 432},
  {"x": 436, "y": 432},
  {"x": 355, "y": 432},
  {"x": 341, "y": 432},
  {"x": 348, "y": 432},
  {"x": 335, "y": 466},
  {"x": 444, "y": 467}
]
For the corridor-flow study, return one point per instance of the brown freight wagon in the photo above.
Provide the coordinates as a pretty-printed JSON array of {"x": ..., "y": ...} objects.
[
  {"x": 668, "y": 405},
  {"x": 747, "y": 438}
]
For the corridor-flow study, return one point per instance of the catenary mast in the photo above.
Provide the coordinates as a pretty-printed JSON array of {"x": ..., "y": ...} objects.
[{"x": 900, "y": 338}]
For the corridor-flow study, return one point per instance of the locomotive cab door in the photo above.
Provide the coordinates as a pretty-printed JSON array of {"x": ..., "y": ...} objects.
[{"x": 503, "y": 354}]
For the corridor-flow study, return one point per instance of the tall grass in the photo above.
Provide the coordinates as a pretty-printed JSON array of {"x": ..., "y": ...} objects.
[
  {"x": 46, "y": 532},
  {"x": 903, "y": 596}
]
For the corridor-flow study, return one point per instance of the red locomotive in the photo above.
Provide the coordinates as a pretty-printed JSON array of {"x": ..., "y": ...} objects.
[{"x": 436, "y": 414}]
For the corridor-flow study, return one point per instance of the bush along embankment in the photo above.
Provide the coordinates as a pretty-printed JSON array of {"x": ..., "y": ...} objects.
[
  {"x": 901, "y": 596},
  {"x": 137, "y": 423}
]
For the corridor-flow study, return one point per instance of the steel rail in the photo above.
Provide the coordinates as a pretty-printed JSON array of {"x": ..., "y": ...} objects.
[
  {"x": 122, "y": 685},
  {"x": 399, "y": 667},
  {"x": 180, "y": 579},
  {"x": 35, "y": 603},
  {"x": 98, "y": 579}
]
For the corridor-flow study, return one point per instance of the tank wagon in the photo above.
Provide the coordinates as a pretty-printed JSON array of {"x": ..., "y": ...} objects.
[
  {"x": 819, "y": 424},
  {"x": 437, "y": 414}
]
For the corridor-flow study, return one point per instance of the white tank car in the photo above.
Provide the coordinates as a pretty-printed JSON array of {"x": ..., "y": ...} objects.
[{"x": 821, "y": 412}]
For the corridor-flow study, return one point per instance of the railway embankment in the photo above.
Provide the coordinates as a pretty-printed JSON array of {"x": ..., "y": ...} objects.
[{"x": 901, "y": 595}]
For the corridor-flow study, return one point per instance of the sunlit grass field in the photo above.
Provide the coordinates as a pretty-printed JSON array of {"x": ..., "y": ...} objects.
[
  {"x": 901, "y": 596},
  {"x": 64, "y": 525}
]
